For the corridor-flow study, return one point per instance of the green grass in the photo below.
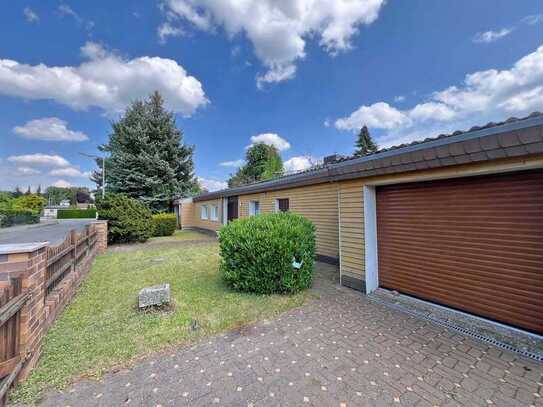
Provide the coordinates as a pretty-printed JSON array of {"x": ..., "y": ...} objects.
[
  {"x": 182, "y": 235},
  {"x": 102, "y": 328}
]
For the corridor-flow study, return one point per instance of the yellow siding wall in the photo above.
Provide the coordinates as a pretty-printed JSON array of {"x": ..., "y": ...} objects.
[
  {"x": 318, "y": 203},
  {"x": 207, "y": 224},
  {"x": 351, "y": 228},
  {"x": 337, "y": 209},
  {"x": 351, "y": 206},
  {"x": 187, "y": 215}
]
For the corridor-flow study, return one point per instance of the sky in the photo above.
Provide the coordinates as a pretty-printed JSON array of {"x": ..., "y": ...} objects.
[{"x": 303, "y": 75}]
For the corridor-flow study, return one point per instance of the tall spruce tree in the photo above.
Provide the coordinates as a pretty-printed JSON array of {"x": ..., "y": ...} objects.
[
  {"x": 364, "y": 143},
  {"x": 147, "y": 158},
  {"x": 262, "y": 162}
]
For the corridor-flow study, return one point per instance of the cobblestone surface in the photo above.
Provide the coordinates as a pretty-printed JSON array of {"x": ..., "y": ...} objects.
[{"x": 338, "y": 350}]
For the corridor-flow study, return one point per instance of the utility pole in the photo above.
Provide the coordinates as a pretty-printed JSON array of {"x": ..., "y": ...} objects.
[{"x": 103, "y": 170}]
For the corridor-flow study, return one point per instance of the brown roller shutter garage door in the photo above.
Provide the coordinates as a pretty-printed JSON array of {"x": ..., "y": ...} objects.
[{"x": 475, "y": 244}]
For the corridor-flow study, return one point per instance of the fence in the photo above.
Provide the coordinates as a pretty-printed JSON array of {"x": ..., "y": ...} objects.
[{"x": 36, "y": 282}]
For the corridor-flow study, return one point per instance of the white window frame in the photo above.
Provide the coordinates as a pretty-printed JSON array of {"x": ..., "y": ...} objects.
[
  {"x": 214, "y": 213},
  {"x": 254, "y": 208},
  {"x": 203, "y": 212}
]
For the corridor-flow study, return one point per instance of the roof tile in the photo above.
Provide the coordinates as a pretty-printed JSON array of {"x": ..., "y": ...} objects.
[
  {"x": 530, "y": 135},
  {"x": 508, "y": 139},
  {"x": 515, "y": 151},
  {"x": 489, "y": 143},
  {"x": 456, "y": 149},
  {"x": 442, "y": 151},
  {"x": 462, "y": 159},
  {"x": 472, "y": 146},
  {"x": 534, "y": 148},
  {"x": 494, "y": 154},
  {"x": 480, "y": 156}
]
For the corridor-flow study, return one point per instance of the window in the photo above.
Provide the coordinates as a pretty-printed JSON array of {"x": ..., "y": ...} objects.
[
  {"x": 281, "y": 205},
  {"x": 214, "y": 213},
  {"x": 203, "y": 212},
  {"x": 254, "y": 208}
]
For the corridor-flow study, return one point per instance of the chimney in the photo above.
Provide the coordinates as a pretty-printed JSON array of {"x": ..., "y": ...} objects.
[{"x": 332, "y": 159}]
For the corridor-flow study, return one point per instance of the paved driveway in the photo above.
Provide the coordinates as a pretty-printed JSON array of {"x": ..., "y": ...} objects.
[
  {"x": 53, "y": 232},
  {"x": 339, "y": 350}
]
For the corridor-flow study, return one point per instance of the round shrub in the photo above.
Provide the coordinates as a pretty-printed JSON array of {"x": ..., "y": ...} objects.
[
  {"x": 128, "y": 219},
  {"x": 257, "y": 253},
  {"x": 165, "y": 224}
]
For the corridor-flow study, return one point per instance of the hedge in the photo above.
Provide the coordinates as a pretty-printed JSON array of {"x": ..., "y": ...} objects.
[
  {"x": 128, "y": 219},
  {"x": 165, "y": 224},
  {"x": 89, "y": 213},
  {"x": 10, "y": 217},
  {"x": 270, "y": 253}
]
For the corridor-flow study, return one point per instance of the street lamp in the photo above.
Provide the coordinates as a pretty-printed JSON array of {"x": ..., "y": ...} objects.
[{"x": 103, "y": 170}]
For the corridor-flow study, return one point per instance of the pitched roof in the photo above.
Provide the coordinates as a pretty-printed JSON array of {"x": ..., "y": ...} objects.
[{"x": 512, "y": 137}]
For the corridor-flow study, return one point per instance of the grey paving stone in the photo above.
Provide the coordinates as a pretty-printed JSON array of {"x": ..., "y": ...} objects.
[{"x": 338, "y": 350}]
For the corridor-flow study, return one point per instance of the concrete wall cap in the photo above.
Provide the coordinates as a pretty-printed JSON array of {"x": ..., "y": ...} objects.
[{"x": 21, "y": 247}]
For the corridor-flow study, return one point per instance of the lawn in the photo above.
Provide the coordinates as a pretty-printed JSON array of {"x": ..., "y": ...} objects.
[
  {"x": 183, "y": 235},
  {"x": 102, "y": 327}
]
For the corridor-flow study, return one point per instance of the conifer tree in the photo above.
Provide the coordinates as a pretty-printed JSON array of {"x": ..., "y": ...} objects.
[
  {"x": 147, "y": 158},
  {"x": 364, "y": 143}
]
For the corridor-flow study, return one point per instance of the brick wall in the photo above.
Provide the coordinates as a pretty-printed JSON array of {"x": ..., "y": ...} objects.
[{"x": 28, "y": 264}]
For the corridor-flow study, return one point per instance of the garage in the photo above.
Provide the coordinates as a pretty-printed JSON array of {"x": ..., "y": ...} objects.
[{"x": 474, "y": 244}]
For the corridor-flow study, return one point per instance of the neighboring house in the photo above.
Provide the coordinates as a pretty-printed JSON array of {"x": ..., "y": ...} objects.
[
  {"x": 51, "y": 211},
  {"x": 456, "y": 220}
]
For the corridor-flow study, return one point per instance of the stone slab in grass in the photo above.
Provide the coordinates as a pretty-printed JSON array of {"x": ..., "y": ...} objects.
[{"x": 154, "y": 295}]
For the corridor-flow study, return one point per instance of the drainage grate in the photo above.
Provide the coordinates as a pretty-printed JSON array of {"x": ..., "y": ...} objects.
[{"x": 467, "y": 332}]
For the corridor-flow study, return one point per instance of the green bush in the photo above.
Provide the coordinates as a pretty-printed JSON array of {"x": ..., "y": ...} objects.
[
  {"x": 31, "y": 202},
  {"x": 257, "y": 253},
  {"x": 165, "y": 224},
  {"x": 10, "y": 217},
  {"x": 89, "y": 213},
  {"x": 128, "y": 219}
]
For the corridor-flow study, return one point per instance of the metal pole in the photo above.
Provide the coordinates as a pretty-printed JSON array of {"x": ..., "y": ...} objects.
[{"x": 103, "y": 176}]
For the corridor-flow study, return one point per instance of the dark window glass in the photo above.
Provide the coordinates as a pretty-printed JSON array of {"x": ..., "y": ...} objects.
[{"x": 283, "y": 204}]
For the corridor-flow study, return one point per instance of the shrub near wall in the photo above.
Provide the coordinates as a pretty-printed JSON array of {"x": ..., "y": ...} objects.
[
  {"x": 89, "y": 213},
  {"x": 257, "y": 253},
  {"x": 128, "y": 219},
  {"x": 10, "y": 217},
  {"x": 164, "y": 224}
]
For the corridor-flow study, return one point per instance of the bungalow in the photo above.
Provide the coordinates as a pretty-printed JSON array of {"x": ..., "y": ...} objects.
[{"x": 456, "y": 220}]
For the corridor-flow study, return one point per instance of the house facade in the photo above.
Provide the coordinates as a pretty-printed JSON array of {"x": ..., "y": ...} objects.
[{"x": 456, "y": 220}]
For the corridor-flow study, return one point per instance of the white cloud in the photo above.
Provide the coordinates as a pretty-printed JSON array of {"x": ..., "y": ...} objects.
[
  {"x": 166, "y": 30},
  {"x": 30, "y": 15},
  {"x": 70, "y": 172},
  {"x": 104, "y": 80},
  {"x": 278, "y": 30},
  {"x": 270, "y": 139},
  {"x": 212, "y": 184},
  {"x": 236, "y": 163},
  {"x": 50, "y": 129},
  {"x": 39, "y": 159},
  {"x": 432, "y": 111},
  {"x": 299, "y": 163},
  {"x": 66, "y": 10},
  {"x": 533, "y": 19},
  {"x": 379, "y": 115},
  {"x": 26, "y": 171},
  {"x": 490, "y": 95},
  {"x": 61, "y": 184},
  {"x": 399, "y": 98},
  {"x": 276, "y": 74},
  {"x": 491, "y": 36}
]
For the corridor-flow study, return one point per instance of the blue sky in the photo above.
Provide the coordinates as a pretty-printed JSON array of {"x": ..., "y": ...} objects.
[{"x": 301, "y": 74}]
